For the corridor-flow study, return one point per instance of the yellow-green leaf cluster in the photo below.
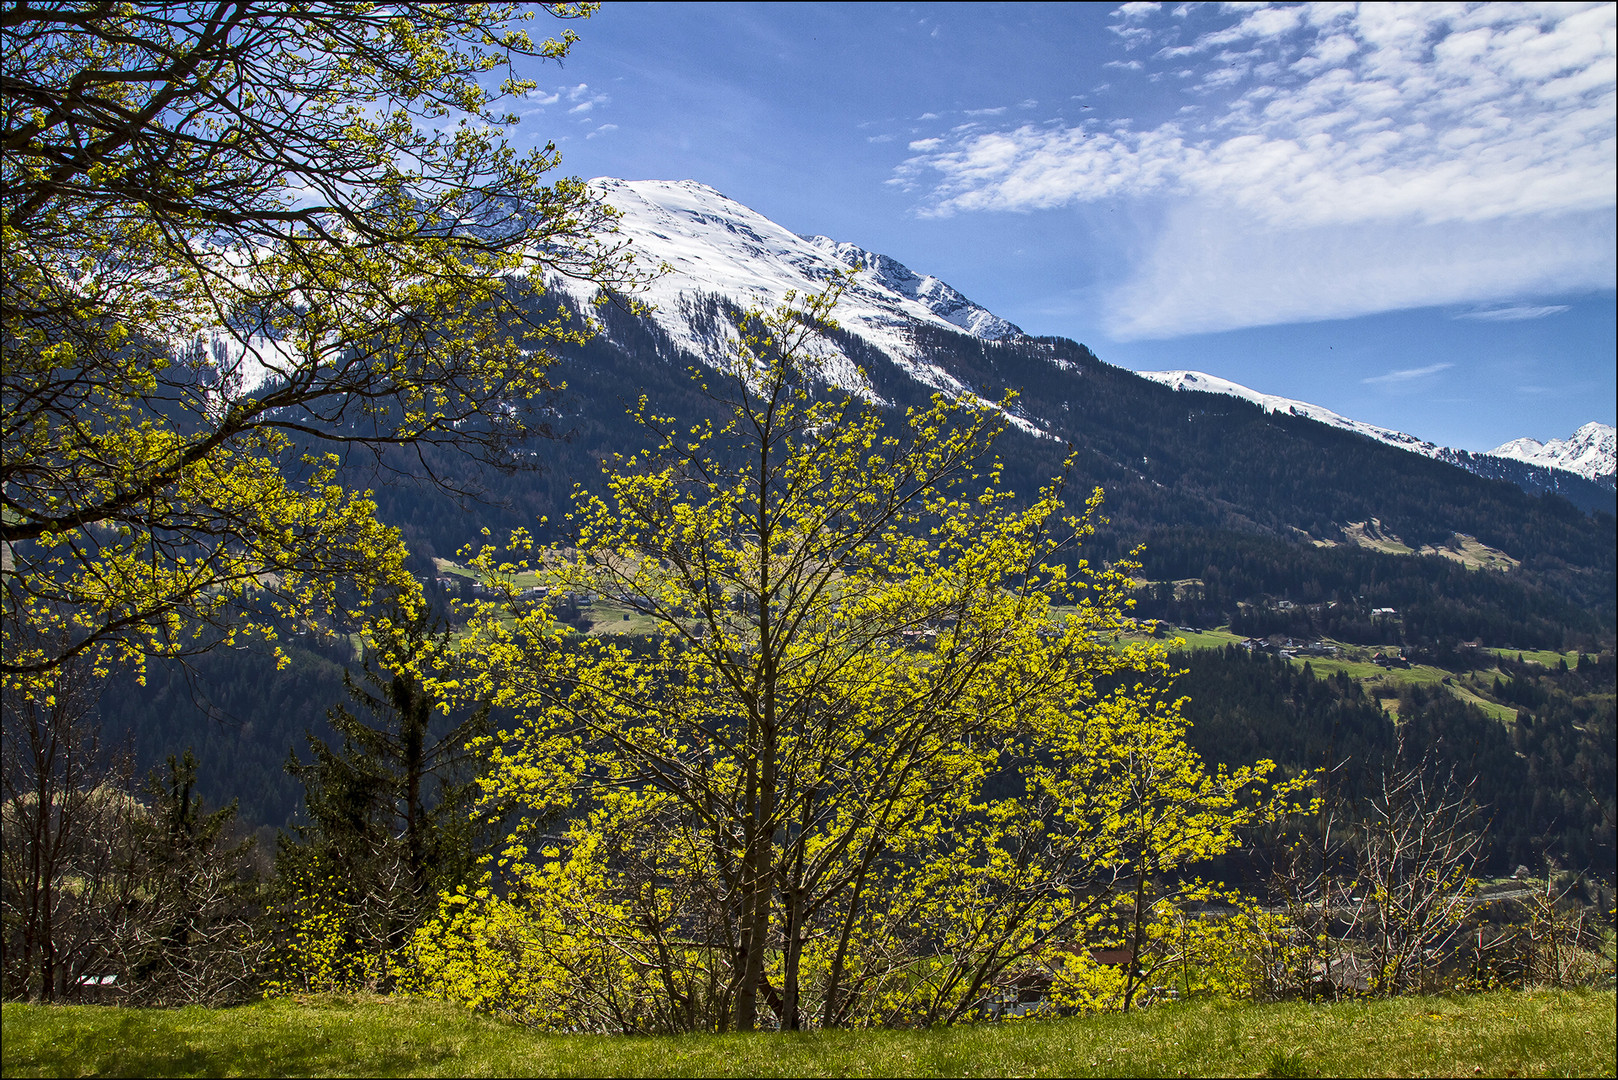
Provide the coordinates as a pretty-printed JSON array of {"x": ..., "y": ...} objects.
[
  {"x": 233, "y": 236},
  {"x": 887, "y": 747}
]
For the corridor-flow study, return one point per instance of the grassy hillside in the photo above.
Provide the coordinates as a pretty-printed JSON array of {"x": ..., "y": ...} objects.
[{"x": 1505, "y": 1033}]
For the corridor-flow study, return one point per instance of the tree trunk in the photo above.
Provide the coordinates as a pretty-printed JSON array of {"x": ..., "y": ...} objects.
[
  {"x": 761, "y": 801},
  {"x": 1135, "y": 938},
  {"x": 794, "y": 895},
  {"x": 747, "y": 983},
  {"x": 755, "y": 931}
]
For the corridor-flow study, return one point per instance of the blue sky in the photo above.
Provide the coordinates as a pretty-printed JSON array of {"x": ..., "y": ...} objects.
[{"x": 1405, "y": 214}]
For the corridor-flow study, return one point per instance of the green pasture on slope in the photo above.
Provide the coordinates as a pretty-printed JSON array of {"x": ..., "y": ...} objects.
[
  {"x": 1503, "y": 713},
  {"x": 1173, "y": 638},
  {"x": 1502, "y": 1033},
  {"x": 608, "y": 617},
  {"x": 1542, "y": 657},
  {"x": 1355, "y": 662}
]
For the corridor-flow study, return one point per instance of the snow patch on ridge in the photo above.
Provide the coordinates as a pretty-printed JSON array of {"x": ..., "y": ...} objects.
[
  {"x": 935, "y": 296},
  {"x": 1272, "y": 403},
  {"x": 1588, "y": 453}
]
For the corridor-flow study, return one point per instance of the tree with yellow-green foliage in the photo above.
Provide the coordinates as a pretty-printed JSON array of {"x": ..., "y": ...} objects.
[
  {"x": 239, "y": 240},
  {"x": 870, "y": 770}
]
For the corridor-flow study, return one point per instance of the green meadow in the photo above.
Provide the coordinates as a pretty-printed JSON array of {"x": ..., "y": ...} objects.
[{"x": 1501, "y": 1033}]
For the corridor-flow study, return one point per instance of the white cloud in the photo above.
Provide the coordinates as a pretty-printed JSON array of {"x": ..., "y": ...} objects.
[
  {"x": 602, "y": 130},
  {"x": 585, "y": 100},
  {"x": 1210, "y": 268},
  {"x": 1395, "y": 132},
  {"x": 1515, "y": 313},
  {"x": 1130, "y": 16},
  {"x": 1408, "y": 374}
]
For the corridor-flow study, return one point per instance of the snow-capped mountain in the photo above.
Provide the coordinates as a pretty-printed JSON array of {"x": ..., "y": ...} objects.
[
  {"x": 715, "y": 246},
  {"x": 1591, "y": 452},
  {"x": 712, "y": 247}
]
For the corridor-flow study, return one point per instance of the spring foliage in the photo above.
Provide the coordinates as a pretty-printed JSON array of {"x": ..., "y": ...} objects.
[
  {"x": 237, "y": 236},
  {"x": 865, "y": 775}
]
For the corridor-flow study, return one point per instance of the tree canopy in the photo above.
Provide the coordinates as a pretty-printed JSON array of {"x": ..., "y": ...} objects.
[
  {"x": 866, "y": 770},
  {"x": 239, "y": 240}
]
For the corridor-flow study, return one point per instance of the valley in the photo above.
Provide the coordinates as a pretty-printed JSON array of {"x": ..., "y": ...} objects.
[{"x": 1322, "y": 544}]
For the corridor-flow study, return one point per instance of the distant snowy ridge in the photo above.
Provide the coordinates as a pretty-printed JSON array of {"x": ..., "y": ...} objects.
[
  {"x": 715, "y": 246},
  {"x": 1591, "y": 452},
  {"x": 1270, "y": 403}
]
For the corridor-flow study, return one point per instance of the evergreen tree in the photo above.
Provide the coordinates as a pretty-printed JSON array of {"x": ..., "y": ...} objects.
[
  {"x": 390, "y": 820},
  {"x": 191, "y": 936}
]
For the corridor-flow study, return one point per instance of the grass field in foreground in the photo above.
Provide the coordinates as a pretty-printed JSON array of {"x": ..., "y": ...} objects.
[{"x": 1503, "y": 1033}]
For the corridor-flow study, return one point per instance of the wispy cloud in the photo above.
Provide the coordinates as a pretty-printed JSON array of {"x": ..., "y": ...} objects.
[
  {"x": 1493, "y": 120},
  {"x": 1136, "y": 10},
  {"x": 1130, "y": 18},
  {"x": 1389, "y": 130},
  {"x": 585, "y": 100},
  {"x": 580, "y": 99},
  {"x": 1516, "y": 313},
  {"x": 1213, "y": 268},
  {"x": 1408, "y": 374}
]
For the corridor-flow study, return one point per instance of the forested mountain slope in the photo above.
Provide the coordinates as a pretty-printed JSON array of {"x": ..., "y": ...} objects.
[
  {"x": 1270, "y": 522},
  {"x": 1255, "y": 505}
]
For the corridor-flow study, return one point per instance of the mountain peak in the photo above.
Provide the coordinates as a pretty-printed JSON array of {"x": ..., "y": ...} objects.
[
  {"x": 715, "y": 246},
  {"x": 936, "y": 295},
  {"x": 1591, "y": 451}
]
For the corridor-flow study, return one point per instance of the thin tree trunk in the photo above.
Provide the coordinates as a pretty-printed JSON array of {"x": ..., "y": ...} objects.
[
  {"x": 761, "y": 801},
  {"x": 832, "y": 1015},
  {"x": 756, "y": 931},
  {"x": 1135, "y": 937},
  {"x": 794, "y": 895},
  {"x": 747, "y": 981}
]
